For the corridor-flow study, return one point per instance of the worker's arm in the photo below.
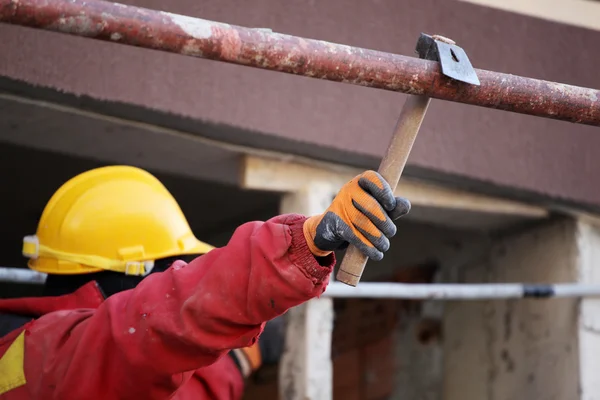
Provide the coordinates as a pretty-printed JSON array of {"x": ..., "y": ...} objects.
[
  {"x": 225, "y": 378},
  {"x": 219, "y": 381},
  {"x": 144, "y": 342}
]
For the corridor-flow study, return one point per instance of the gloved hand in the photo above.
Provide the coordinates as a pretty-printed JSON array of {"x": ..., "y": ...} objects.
[{"x": 362, "y": 214}]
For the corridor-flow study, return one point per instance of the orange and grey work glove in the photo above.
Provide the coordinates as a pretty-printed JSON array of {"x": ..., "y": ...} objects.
[{"x": 362, "y": 214}]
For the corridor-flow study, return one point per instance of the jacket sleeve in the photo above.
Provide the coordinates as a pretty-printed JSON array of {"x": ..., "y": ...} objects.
[
  {"x": 219, "y": 381},
  {"x": 146, "y": 342}
]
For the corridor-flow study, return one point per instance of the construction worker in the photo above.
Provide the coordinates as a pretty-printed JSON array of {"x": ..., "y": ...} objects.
[{"x": 125, "y": 316}]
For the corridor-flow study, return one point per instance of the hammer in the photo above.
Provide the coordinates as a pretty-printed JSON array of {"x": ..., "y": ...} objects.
[{"x": 454, "y": 64}]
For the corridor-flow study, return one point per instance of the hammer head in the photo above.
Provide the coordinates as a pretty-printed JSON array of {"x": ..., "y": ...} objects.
[{"x": 453, "y": 59}]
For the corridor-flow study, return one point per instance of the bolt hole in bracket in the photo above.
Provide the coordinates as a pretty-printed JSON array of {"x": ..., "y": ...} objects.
[
  {"x": 454, "y": 55},
  {"x": 452, "y": 58}
]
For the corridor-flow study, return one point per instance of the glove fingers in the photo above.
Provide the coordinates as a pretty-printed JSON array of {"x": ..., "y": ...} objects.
[
  {"x": 366, "y": 229},
  {"x": 359, "y": 241},
  {"x": 385, "y": 225},
  {"x": 332, "y": 231},
  {"x": 362, "y": 214},
  {"x": 402, "y": 208},
  {"x": 376, "y": 186}
]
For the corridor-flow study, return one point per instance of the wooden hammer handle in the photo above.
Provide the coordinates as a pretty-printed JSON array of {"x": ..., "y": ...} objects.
[{"x": 391, "y": 168}]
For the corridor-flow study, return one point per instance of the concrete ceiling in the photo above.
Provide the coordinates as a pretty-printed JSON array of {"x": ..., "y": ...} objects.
[{"x": 46, "y": 126}]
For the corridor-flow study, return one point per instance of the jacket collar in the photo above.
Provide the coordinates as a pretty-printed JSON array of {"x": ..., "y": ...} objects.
[{"x": 87, "y": 296}]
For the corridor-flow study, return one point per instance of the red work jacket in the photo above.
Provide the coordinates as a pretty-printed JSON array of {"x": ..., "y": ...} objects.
[{"x": 164, "y": 339}]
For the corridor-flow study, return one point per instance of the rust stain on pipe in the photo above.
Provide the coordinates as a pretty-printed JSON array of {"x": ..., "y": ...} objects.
[{"x": 262, "y": 48}]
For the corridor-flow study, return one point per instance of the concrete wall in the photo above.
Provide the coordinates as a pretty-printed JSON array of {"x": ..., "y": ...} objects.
[
  {"x": 588, "y": 241},
  {"x": 518, "y": 349},
  {"x": 419, "y": 358},
  {"x": 418, "y": 340}
]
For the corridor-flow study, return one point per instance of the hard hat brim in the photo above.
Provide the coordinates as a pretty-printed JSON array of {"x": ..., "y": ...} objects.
[{"x": 56, "y": 267}]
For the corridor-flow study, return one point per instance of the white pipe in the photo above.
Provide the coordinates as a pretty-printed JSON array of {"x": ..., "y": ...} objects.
[
  {"x": 378, "y": 290},
  {"x": 22, "y": 275}
]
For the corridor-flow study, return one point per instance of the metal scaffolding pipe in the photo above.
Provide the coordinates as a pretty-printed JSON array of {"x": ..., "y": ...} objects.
[
  {"x": 262, "y": 48},
  {"x": 381, "y": 290},
  {"x": 22, "y": 275}
]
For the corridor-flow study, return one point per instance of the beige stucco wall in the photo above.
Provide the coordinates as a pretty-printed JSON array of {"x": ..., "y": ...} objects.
[{"x": 582, "y": 13}]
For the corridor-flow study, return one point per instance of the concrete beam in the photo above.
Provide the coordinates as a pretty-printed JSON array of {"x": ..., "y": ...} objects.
[
  {"x": 431, "y": 203},
  {"x": 67, "y": 130}
]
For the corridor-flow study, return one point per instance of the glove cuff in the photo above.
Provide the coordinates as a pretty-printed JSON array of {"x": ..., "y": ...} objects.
[
  {"x": 309, "y": 229},
  {"x": 247, "y": 359}
]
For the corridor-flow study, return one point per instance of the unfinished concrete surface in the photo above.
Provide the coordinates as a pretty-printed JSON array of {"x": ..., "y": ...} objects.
[
  {"x": 541, "y": 349},
  {"x": 431, "y": 203},
  {"x": 588, "y": 235},
  {"x": 53, "y": 128},
  {"x": 419, "y": 335}
]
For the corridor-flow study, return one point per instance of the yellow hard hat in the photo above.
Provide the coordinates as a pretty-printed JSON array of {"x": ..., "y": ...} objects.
[{"x": 116, "y": 218}]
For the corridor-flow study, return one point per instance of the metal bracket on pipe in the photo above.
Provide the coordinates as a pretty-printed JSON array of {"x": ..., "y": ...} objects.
[{"x": 453, "y": 60}]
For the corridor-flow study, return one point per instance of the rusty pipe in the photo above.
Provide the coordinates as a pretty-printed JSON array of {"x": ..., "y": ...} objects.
[{"x": 262, "y": 48}]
